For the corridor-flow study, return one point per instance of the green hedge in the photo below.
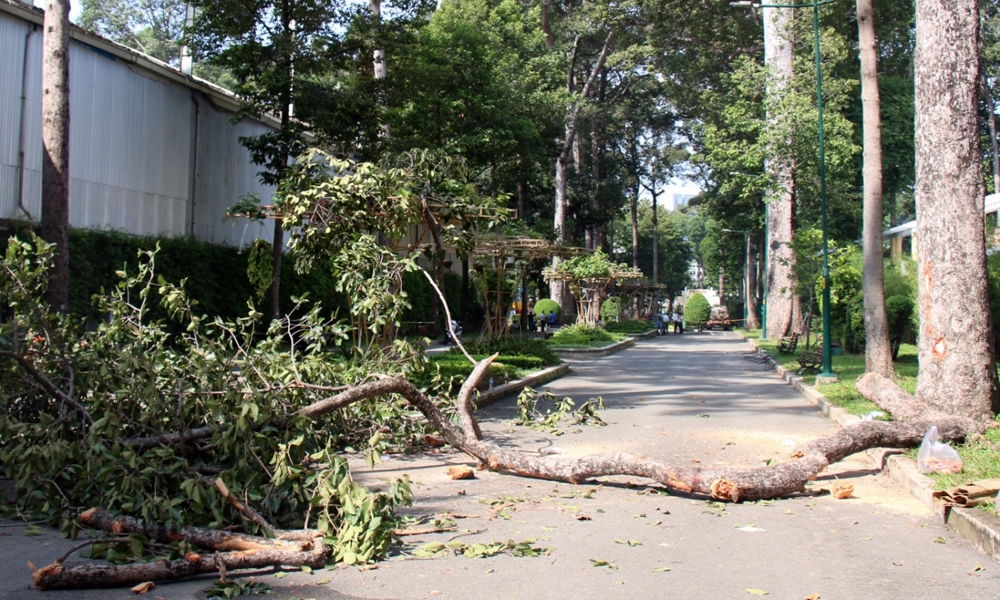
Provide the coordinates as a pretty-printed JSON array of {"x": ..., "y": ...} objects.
[
  {"x": 629, "y": 326},
  {"x": 582, "y": 335},
  {"x": 216, "y": 275},
  {"x": 511, "y": 347},
  {"x": 697, "y": 310}
]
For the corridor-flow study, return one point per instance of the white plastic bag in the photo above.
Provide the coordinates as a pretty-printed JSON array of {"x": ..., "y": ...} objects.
[{"x": 936, "y": 457}]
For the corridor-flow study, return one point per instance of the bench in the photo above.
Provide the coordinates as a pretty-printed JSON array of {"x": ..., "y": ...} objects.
[
  {"x": 810, "y": 359},
  {"x": 787, "y": 345}
]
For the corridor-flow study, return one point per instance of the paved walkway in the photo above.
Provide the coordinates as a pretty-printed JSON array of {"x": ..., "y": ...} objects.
[{"x": 683, "y": 398}]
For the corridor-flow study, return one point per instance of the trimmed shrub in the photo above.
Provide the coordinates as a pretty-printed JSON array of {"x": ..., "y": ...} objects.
[
  {"x": 511, "y": 347},
  {"x": 629, "y": 326},
  {"x": 546, "y": 305},
  {"x": 582, "y": 334},
  {"x": 697, "y": 310},
  {"x": 611, "y": 309}
]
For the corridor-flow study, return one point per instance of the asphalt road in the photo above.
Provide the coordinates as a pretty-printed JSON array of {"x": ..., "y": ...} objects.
[{"x": 684, "y": 399}]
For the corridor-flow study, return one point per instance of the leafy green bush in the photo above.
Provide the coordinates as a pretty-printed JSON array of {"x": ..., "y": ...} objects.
[
  {"x": 582, "y": 334},
  {"x": 511, "y": 347},
  {"x": 629, "y": 326},
  {"x": 107, "y": 447},
  {"x": 546, "y": 305},
  {"x": 611, "y": 309},
  {"x": 217, "y": 279},
  {"x": 899, "y": 312},
  {"x": 697, "y": 310}
]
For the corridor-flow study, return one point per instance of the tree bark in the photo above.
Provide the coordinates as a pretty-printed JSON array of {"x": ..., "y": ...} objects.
[
  {"x": 957, "y": 368},
  {"x": 778, "y": 58},
  {"x": 229, "y": 551},
  {"x": 878, "y": 350},
  {"x": 656, "y": 237},
  {"x": 55, "y": 143},
  {"x": 752, "y": 322}
]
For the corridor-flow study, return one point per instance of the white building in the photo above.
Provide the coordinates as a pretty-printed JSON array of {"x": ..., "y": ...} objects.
[{"x": 152, "y": 151}]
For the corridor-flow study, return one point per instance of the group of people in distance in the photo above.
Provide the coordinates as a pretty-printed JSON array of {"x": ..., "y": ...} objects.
[
  {"x": 663, "y": 322},
  {"x": 546, "y": 320}
]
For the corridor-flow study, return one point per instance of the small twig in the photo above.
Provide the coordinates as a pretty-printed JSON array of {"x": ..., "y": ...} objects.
[
  {"x": 70, "y": 552},
  {"x": 418, "y": 531},
  {"x": 466, "y": 533},
  {"x": 47, "y": 384}
]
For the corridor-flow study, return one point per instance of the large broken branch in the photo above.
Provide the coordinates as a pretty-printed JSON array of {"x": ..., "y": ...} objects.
[
  {"x": 724, "y": 484},
  {"x": 227, "y": 551},
  {"x": 891, "y": 398}
]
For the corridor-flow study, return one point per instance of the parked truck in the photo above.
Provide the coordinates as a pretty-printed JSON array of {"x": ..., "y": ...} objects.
[{"x": 718, "y": 319}]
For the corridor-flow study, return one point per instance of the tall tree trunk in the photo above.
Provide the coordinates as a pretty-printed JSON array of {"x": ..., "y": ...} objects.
[
  {"x": 380, "y": 67},
  {"x": 55, "y": 141},
  {"x": 550, "y": 39},
  {"x": 656, "y": 237},
  {"x": 878, "y": 351},
  {"x": 634, "y": 209},
  {"x": 781, "y": 212},
  {"x": 560, "y": 293},
  {"x": 957, "y": 370},
  {"x": 752, "y": 322}
]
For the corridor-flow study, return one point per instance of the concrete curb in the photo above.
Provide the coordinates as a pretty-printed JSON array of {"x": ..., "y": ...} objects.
[
  {"x": 570, "y": 353},
  {"x": 977, "y": 526},
  {"x": 644, "y": 336},
  {"x": 515, "y": 387}
]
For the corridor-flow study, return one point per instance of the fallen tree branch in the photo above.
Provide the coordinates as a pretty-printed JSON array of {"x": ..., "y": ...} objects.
[
  {"x": 55, "y": 576},
  {"x": 208, "y": 539},
  {"x": 228, "y": 551},
  {"x": 723, "y": 484},
  {"x": 169, "y": 439},
  {"x": 885, "y": 394},
  {"x": 245, "y": 510},
  {"x": 48, "y": 386}
]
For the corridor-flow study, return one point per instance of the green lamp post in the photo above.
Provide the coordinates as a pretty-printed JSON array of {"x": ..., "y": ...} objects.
[{"x": 815, "y": 4}]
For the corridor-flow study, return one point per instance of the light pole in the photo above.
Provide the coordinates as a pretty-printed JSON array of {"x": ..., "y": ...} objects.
[{"x": 815, "y": 4}]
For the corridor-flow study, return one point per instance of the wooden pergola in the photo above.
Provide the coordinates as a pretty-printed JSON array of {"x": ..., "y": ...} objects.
[
  {"x": 495, "y": 256},
  {"x": 590, "y": 291}
]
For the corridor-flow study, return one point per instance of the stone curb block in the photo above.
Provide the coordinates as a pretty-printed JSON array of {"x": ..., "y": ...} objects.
[
  {"x": 645, "y": 335},
  {"x": 594, "y": 352},
  {"x": 977, "y": 526},
  {"x": 515, "y": 387}
]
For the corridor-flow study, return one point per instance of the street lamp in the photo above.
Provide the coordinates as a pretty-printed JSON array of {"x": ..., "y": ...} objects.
[{"x": 815, "y": 4}]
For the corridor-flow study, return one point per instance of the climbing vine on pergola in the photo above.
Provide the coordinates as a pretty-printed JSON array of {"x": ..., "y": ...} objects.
[{"x": 589, "y": 277}]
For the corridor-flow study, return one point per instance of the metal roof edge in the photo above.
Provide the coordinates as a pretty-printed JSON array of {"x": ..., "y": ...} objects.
[{"x": 219, "y": 96}]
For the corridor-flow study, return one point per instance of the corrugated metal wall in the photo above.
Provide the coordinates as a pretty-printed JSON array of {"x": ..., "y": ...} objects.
[
  {"x": 224, "y": 174},
  {"x": 134, "y": 148}
]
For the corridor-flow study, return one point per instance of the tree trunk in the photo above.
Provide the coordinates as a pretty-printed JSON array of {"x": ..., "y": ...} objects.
[
  {"x": 55, "y": 142},
  {"x": 957, "y": 368},
  {"x": 656, "y": 237},
  {"x": 752, "y": 322},
  {"x": 778, "y": 58},
  {"x": 380, "y": 68},
  {"x": 878, "y": 350},
  {"x": 560, "y": 293}
]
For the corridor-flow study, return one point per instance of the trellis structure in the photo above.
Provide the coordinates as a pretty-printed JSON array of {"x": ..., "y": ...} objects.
[
  {"x": 590, "y": 283},
  {"x": 639, "y": 298},
  {"x": 495, "y": 256}
]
